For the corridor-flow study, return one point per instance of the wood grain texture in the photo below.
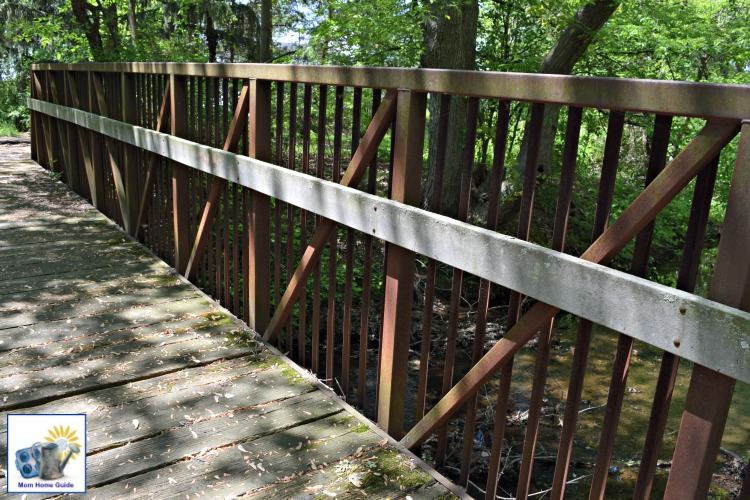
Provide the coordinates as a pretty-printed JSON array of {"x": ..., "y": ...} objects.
[{"x": 171, "y": 384}]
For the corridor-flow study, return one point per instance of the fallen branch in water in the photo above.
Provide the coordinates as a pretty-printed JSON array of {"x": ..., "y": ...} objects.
[{"x": 538, "y": 493}]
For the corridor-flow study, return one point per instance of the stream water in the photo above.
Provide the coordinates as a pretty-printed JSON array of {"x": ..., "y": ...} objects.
[{"x": 644, "y": 370}]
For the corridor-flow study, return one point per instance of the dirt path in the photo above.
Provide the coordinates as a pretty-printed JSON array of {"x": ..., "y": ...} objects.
[{"x": 15, "y": 148}]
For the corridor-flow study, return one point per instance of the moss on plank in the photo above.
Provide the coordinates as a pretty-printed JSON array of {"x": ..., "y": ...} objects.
[
  {"x": 291, "y": 375},
  {"x": 270, "y": 362},
  {"x": 360, "y": 429},
  {"x": 397, "y": 467}
]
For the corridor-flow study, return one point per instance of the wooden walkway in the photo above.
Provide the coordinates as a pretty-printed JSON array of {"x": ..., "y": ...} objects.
[{"x": 181, "y": 399}]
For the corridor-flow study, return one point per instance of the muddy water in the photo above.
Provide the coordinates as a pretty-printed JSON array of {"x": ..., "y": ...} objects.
[{"x": 644, "y": 370}]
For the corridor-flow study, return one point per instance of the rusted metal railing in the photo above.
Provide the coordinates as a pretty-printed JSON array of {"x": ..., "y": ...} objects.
[{"x": 233, "y": 175}]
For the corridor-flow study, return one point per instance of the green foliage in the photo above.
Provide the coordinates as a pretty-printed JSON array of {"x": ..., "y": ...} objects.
[
  {"x": 8, "y": 129},
  {"x": 675, "y": 40},
  {"x": 358, "y": 34},
  {"x": 13, "y": 106},
  {"x": 514, "y": 36}
]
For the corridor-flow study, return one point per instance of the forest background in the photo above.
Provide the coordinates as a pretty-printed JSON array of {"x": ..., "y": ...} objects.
[{"x": 691, "y": 40}]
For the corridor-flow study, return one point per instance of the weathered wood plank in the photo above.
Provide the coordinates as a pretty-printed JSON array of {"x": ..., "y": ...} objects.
[
  {"x": 191, "y": 438},
  {"x": 100, "y": 324},
  {"x": 114, "y": 251},
  {"x": 28, "y": 389},
  {"x": 13, "y": 266},
  {"x": 80, "y": 263},
  {"x": 227, "y": 470},
  {"x": 246, "y": 389},
  {"x": 174, "y": 386},
  {"x": 83, "y": 277},
  {"x": 118, "y": 285},
  {"x": 56, "y": 205},
  {"x": 54, "y": 354},
  {"x": 368, "y": 474},
  {"x": 61, "y": 225},
  {"x": 34, "y": 234},
  {"x": 51, "y": 246},
  {"x": 16, "y": 265},
  {"x": 163, "y": 292}
]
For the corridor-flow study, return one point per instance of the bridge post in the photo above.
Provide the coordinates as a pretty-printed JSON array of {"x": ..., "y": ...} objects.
[
  {"x": 130, "y": 161},
  {"x": 35, "y": 149},
  {"x": 399, "y": 281},
  {"x": 710, "y": 392},
  {"x": 44, "y": 145},
  {"x": 53, "y": 144},
  {"x": 74, "y": 81},
  {"x": 180, "y": 200},
  {"x": 46, "y": 121},
  {"x": 95, "y": 144},
  {"x": 56, "y": 82},
  {"x": 74, "y": 135},
  {"x": 257, "y": 260},
  {"x": 72, "y": 157}
]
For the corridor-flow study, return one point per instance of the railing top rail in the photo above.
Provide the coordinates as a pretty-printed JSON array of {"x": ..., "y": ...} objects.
[{"x": 702, "y": 100}]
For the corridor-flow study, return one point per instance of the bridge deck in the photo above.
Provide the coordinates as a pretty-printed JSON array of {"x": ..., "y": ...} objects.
[{"x": 181, "y": 400}]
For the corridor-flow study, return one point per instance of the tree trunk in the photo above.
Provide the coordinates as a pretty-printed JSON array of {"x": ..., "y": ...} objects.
[
  {"x": 212, "y": 37},
  {"x": 266, "y": 27},
  {"x": 450, "y": 38},
  {"x": 567, "y": 51},
  {"x": 131, "y": 19},
  {"x": 90, "y": 25},
  {"x": 109, "y": 15}
]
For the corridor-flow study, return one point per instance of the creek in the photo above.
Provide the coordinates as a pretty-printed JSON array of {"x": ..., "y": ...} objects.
[{"x": 643, "y": 374}]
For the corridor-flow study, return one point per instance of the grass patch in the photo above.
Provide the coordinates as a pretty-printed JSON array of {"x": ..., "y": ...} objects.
[
  {"x": 8, "y": 129},
  {"x": 719, "y": 493}
]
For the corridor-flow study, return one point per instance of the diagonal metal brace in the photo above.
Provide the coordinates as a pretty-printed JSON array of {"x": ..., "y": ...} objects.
[
  {"x": 697, "y": 154},
  {"x": 148, "y": 185},
  {"x": 239, "y": 120},
  {"x": 366, "y": 151}
]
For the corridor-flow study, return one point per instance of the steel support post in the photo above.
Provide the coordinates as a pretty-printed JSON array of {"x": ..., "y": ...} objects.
[
  {"x": 95, "y": 145},
  {"x": 180, "y": 199},
  {"x": 130, "y": 161},
  {"x": 257, "y": 224},
  {"x": 710, "y": 392},
  {"x": 399, "y": 283}
]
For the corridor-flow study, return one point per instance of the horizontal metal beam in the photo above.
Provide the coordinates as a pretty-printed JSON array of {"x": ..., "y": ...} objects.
[
  {"x": 697, "y": 329},
  {"x": 706, "y": 100}
]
